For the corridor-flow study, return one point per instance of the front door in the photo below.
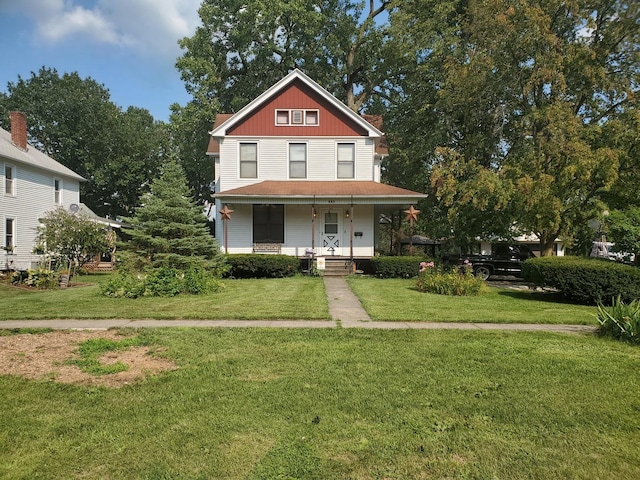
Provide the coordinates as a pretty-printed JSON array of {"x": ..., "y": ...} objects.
[{"x": 330, "y": 238}]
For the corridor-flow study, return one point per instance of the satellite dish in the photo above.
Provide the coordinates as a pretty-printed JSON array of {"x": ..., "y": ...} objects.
[{"x": 74, "y": 207}]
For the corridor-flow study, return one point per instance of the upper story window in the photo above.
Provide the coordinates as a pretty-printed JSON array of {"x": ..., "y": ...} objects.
[
  {"x": 248, "y": 160},
  {"x": 346, "y": 160},
  {"x": 57, "y": 191},
  {"x": 297, "y": 160},
  {"x": 9, "y": 180},
  {"x": 297, "y": 116}
]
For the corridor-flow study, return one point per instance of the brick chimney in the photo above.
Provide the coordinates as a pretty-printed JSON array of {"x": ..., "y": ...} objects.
[{"x": 19, "y": 130}]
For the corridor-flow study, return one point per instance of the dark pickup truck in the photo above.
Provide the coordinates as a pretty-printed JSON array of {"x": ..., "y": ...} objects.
[{"x": 505, "y": 259}]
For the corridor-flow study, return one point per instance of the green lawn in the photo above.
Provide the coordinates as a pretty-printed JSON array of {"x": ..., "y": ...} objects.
[
  {"x": 340, "y": 404},
  {"x": 282, "y": 298},
  {"x": 397, "y": 300}
]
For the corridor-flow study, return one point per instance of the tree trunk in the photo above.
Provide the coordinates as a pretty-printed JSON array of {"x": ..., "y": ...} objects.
[{"x": 546, "y": 245}]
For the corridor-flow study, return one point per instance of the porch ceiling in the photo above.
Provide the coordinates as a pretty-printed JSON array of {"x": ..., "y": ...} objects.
[{"x": 308, "y": 192}]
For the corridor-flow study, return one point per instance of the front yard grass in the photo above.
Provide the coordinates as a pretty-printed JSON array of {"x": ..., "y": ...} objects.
[
  {"x": 334, "y": 404},
  {"x": 398, "y": 300},
  {"x": 281, "y": 298}
]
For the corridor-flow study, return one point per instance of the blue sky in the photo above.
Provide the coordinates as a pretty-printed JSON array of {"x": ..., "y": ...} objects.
[{"x": 129, "y": 46}]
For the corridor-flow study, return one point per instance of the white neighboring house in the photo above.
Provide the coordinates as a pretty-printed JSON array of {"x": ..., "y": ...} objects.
[
  {"x": 532, "y": 241},
  {"x": 32, "y": 183},
  {"x": 301, "y": 173}
]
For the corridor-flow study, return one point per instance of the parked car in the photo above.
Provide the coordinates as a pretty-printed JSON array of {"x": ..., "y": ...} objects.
[{"x": 505, "y": 259}]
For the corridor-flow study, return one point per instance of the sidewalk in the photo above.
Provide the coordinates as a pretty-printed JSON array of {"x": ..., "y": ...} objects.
[{"x": 344, "y": 308}]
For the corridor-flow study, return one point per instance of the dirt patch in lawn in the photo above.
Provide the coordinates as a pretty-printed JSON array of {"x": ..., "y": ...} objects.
[{"x": 44, "y": 356}]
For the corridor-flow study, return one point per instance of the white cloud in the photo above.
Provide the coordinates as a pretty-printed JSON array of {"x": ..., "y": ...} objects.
[{"x": 152, "y": 27}]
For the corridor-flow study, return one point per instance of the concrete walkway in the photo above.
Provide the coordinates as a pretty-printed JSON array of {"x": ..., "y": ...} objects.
[{"x": 344, "y": 308}]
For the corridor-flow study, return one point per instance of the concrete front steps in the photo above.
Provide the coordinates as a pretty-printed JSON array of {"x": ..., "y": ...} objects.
[{"x": 337, "y": 267}]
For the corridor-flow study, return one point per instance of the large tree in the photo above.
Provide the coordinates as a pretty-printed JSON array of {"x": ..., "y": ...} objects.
[
  {"x": 74, "y": 121},
  {"x": 168, "y": 228},
  {"x": 519, "y": 100}
]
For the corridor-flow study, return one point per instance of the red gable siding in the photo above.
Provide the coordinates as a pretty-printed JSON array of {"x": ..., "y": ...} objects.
[{"x": 297, "y": 96}]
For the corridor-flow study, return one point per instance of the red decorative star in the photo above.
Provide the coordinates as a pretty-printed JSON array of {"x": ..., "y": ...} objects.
[
  {"x": 412, "y": 214},
  {"x": 226, "y": 213}
]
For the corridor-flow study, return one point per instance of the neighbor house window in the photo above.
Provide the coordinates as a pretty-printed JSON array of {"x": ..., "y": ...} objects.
[
  {"x": 9, "y": 180},
  {"x": 297, "y": 117},
  {"x": 9, "y": 234},
  {"x": 297, "y": 160},
  {"x": 346, "y": 160},
  {"x": 268, "y": 223},
  {"x": 57, "y": 191},
  {"x": 248, "y": 160}
]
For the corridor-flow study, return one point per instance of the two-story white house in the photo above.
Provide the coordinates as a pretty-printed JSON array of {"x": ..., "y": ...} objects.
[
  {"x": 300, "y": 171},
  {"x": 31, "y": 183}
]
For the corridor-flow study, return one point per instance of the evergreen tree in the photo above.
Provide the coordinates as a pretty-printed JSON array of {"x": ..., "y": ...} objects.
[{"x": 169, "y": 229}]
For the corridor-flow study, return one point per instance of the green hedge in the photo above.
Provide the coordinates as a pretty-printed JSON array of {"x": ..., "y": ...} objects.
[
  {"x": 396, "y": 267},
  {"x": 583, "y": 279},
  {"x": 254, "y": 265}
]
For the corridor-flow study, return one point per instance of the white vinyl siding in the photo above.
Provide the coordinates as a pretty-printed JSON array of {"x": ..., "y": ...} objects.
[
  {"x": 346, "y": 160},
  {"x": 298, "y": 160},
  {"x": 248, "y": 160}
]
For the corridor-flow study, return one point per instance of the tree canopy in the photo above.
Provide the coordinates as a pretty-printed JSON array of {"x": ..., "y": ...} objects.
[
  {"x": 515, "y": 113},
  {"x": 74, "y": 121}
]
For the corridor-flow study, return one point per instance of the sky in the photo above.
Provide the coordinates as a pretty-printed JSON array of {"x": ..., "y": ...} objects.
[{"x": 129, "y": 46}]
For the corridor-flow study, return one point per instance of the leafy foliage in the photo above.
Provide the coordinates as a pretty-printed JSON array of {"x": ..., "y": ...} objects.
[
  {"x": 452, "y": 282},
  {"x": 39, "y": 278},
  {"x": 584, "y": 280},
  {"x": 396, "y": 267},
  {"x": 514, "y": 112},
  {"x": 72, "y": 237},
  {"x": 74, "y": 121},
  {"x": 262, "y": 266},
  {"x": 624, "y": 229},
  {"x": 620, "y": 320}
]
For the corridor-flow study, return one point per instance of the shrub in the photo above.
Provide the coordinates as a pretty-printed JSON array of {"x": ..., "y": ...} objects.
[
  {"x": 396, "y": 267},
  {"x": 40, "y": 278},
  {"x": 161, "y": 282},
  {"x": 584, "y": 280},
  {"x": 620, "y": 321},
  {"x": 123, "y": 285},
  {"x": 254, "y": 265},
  {"x": 452, "y": 282}
]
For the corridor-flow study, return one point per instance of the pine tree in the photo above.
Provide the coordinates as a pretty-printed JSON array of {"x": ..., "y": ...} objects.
[{"x": 169, "y": 229}]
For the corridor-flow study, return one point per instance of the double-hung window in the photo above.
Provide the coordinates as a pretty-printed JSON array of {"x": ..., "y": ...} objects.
[
  {"x": 57, "y": 191},
  {"x": 297, "y": 160},
  {"x": 9, "y": 234},
  {"x": 248, "y": 160},
  {"x": 346, "y": 160},
  {"x": 9, "y": 180}
]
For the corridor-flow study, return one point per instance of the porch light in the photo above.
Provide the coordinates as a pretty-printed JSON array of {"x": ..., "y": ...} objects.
[{"x": 347, "y": 214}]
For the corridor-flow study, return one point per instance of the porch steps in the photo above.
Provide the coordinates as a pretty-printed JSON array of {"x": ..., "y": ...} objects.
[{"x": 335, "y": 267}]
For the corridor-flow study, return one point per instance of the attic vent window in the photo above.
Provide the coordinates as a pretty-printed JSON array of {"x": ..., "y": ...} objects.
[{"x": 297, "y": 117}]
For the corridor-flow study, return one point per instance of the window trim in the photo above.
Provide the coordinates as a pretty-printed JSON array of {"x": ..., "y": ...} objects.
[
  {"x": 57, "y": 193},
  {"x": 352, "y": 162},
  {"x": 240, "y": 161},
  {"x": 269, "y": 240},
  {"x": 12, "y": 181},
  {"x": 304, "y": 114},
  {"x": 306, "y": 160},
  {"x": 6, "y": 242}
]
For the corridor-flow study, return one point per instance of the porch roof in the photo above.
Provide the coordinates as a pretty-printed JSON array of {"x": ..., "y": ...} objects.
[{"x": 303, "y": 191}]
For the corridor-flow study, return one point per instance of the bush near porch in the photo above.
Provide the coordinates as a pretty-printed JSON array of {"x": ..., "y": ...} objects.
[{"x": 255, "y": 265}]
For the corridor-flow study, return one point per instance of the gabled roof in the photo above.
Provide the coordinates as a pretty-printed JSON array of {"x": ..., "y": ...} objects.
[
  {"x": 214, "y": 145},
  {"x": 222, "y": 129},
  {"x": 32, "y": 157}
]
